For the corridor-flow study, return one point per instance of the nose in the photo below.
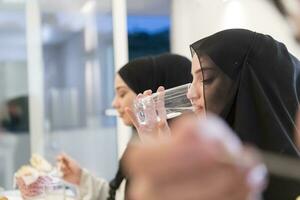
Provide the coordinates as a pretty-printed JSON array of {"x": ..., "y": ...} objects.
[
  {"x": 191, "y": 93},
  {"x": 114, "y": 103}
]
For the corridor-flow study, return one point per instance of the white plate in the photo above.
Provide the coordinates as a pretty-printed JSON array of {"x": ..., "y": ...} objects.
[
  {"x": 12, "y": 195},
  {"x": 16, "y": 195}
]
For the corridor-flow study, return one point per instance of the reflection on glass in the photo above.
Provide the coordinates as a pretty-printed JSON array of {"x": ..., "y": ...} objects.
[
  {"x": 14, "y": 120},
  {"x": 79, "y": 77},
  {"x": 174, "y": 100}
]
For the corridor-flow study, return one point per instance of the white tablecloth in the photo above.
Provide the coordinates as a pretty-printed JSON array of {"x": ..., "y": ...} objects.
[{"x": 15, "y": 195}]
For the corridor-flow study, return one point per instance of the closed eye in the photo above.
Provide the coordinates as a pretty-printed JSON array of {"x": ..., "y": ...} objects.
[
  {"x": 122, "y": 94},
  {"x": 208, "y": 81}
]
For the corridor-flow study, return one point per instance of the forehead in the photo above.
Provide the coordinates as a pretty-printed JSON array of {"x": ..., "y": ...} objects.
[
  {"x": 195, "y": 63},
  {"x": 204, "y": 62},
  {"x": 119, "y": 82}
]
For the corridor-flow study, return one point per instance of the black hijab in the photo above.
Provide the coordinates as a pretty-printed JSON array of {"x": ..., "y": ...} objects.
[
  {"x": 259, "y": 82},
  {"x": 168, "y": 70}
]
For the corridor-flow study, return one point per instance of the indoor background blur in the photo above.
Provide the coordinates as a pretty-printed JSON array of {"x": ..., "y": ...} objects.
[{"x": 58, "y": 59}]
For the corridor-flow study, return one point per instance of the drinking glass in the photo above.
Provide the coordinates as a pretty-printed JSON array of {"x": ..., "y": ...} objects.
[
  {"x": 55, "y": 191},
  {"x": 174, "y": 100}
]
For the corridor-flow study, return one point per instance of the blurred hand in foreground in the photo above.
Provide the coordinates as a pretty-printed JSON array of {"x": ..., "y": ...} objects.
[{"x": 204, "y": 160}]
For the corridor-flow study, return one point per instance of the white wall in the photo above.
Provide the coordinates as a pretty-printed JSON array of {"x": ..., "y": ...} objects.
[
  {"x": 14, "y": 152},
  {"x": 13, "y": 80},
  {"x": 195, "y": 19},
  {"x": 15, "y": 76},
  {"x": 94, "y": 149}
]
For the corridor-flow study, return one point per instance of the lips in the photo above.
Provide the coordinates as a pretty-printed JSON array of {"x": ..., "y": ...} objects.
[{"x": 197, "y": 108}]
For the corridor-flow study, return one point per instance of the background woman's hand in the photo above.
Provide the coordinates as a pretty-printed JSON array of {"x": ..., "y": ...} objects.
[{"x": 70, "y": 169}]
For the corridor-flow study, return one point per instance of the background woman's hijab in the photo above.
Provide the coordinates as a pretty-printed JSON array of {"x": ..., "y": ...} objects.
[
  {"x": 263, "y": 82},
  {"x": 168, "y": 70}
]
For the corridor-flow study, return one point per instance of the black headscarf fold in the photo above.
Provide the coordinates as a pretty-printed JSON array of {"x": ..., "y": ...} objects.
[
  {"x": 168, "y": 70},
  {"x": 263, "y": 90}
]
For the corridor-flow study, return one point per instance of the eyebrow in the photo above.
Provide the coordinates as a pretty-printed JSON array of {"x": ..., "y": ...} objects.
[
  {"x": 203, "y": 69},
  {"x": 197, "y": 71},
  {"x": 120, "y": 87},
  {"x": 207, "y": 68}
]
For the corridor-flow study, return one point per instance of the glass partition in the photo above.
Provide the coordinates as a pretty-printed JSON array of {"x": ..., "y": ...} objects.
[
  {"x": 79, "y": 75},
  {"x": 14, "y": 119}
]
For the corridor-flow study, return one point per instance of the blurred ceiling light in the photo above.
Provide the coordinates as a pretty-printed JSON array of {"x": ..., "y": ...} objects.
[
  {"x": 47, "y": 34},
  {"x": 88, "y": 7},
  {"x": 70, "y": 21},
  {"x": 13, "y": 1},
  {"x": 90, "y": 37}
]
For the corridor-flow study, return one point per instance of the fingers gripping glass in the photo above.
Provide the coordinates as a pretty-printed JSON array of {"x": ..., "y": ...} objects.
[{"x": 166, "y": 104}]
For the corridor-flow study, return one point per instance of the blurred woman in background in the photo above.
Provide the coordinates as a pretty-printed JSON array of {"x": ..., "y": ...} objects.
[{"x": 168, "y": 70}]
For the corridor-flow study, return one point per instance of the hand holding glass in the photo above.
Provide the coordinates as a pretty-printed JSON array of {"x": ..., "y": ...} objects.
[{"x": 172, "y": 101}]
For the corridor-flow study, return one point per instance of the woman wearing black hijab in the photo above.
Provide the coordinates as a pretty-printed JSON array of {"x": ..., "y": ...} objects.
[
  {"x": 168, "y": 70},
  {"x": 252, "y": 82}
]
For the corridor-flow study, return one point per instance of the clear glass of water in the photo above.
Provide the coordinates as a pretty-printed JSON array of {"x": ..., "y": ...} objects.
[{"x": 174, "y": 101}]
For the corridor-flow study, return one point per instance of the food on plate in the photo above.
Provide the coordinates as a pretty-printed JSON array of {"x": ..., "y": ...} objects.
[
  {"x": 33, "y": 179},
  {"x": 39, "y": 163}
]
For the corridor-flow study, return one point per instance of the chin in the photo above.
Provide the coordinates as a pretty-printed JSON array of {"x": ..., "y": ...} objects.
[
  {"x": 127, "y": 122},
  {"x": 200, "y": 112}
]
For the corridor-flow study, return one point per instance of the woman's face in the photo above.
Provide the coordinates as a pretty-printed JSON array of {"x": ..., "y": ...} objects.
[
  {"x": 124, "y": 97},
  {"x": 195, "y": 93},
  {"x": 210, "y": 89}
]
